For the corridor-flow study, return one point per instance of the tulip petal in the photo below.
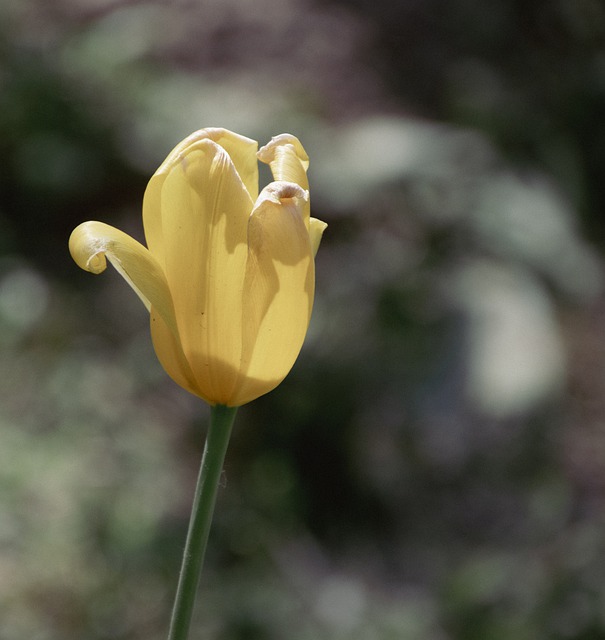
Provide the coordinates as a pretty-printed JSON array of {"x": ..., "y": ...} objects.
[
  {"x": 289, "y": 162},
  {"x": 278, "y": 290},
  {"x": 287, "y": 158},
  {"x": 205, "y": 209},
  {"x": 92, "y": 243},
  {"x": 316, "y": 229},
  {"x": 170, "y": 354},
  {"x": 242, "y": 152}
]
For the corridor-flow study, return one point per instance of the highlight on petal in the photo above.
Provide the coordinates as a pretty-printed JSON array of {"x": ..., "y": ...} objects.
[
  {"x": 278, "y": 290},
  {"x": 92, "y": 243}
]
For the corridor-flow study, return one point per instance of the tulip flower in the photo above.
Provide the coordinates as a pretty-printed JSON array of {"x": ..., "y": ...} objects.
[
  {"x": 227, "y": 274},
  {"x": 228, "y": 277}
]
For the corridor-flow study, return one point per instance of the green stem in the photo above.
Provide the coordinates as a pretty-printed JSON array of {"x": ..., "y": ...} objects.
[{"x": 219, "y": 432}]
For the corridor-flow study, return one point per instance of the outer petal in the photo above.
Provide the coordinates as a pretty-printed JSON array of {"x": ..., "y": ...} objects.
[
  {"x": 242, "y": 151},
  {"x": 205, "y": 209},
  {"x": 92, "y": 242},
  {"x": 170, "y": 354},
  {"x": 289, "y": 162},
  {"x": 278, "y": 291}
]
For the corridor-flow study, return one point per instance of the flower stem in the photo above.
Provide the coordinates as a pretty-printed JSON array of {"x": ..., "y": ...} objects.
[{"x": 217, "y": 440}]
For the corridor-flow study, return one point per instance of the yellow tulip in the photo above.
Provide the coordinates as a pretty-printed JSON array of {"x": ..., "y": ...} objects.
[{"x": 228, "y": 274}]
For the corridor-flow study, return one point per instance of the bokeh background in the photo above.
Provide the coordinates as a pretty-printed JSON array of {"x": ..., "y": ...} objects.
[{"x": 434, "y": 466}]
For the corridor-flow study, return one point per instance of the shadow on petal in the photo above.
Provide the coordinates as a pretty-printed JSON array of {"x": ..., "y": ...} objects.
[{"x": 212, "y": 379}]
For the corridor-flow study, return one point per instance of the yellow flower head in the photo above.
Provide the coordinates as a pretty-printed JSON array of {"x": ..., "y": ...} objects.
[{"x": 228, "y": 274}]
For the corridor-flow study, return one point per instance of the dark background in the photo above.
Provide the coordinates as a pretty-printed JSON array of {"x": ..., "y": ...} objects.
[{"x": 434, "y": 466}]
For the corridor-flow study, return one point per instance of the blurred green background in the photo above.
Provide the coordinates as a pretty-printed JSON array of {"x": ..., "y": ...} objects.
[{"x": 434, "y": 466}]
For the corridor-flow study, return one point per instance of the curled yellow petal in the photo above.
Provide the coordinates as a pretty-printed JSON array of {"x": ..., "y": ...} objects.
[
  {"x": 92, "y": 243},
  {"x": 286, "y": 156},
  {"x": 289, "y": 162}
]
